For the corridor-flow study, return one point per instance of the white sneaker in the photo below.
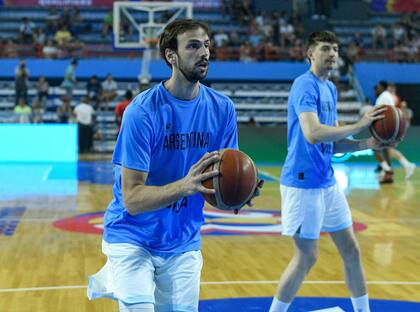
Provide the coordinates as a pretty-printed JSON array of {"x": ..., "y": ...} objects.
[{"x": 409, "y": 170}]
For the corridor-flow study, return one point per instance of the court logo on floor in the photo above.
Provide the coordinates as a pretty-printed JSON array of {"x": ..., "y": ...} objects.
[
  {"x": 9, "y": 219},
  {"x": 217, "y": 222}
]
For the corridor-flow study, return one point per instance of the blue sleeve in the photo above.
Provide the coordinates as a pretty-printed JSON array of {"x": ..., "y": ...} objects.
[
  {"x": 134, "y": 143},
  {"x": 304, "y": 96},
  {"x": 230, "y": 137}
]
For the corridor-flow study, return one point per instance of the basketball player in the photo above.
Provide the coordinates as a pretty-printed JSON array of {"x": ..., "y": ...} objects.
[
  {"x": 408, "y": 166},
  {"x": 169, "y": 135},
  {"x": 311, "y": 199},
  {"x": 386, "y": 94}
]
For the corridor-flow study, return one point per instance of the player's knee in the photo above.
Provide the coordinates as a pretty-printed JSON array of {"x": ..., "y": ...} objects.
[
  {"x": 307, "y": 260},
  {"x": 352, "y": 253}
]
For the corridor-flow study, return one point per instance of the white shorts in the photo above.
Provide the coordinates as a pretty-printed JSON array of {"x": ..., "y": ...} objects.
[
  {"x": 132, "y": 275},
  {"x": 308, "y": 212}
]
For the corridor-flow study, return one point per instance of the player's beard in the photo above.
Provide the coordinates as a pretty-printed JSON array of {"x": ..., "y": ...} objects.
[{"x": 192, "y": 74}]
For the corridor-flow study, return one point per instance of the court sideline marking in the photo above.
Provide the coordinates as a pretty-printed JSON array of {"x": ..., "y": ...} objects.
[{"x": 414, "y": 283}]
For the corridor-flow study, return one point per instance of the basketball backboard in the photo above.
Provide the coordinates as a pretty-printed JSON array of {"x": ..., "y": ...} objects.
[{"x": 139, "y": 24}]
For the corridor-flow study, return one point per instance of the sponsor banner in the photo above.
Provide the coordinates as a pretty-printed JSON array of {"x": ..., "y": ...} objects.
[
  {"x": 60, "y": 3},
  {"x": 197, "y": 4}
]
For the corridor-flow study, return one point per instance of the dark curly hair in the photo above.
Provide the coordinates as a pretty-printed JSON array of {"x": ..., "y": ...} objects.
[{"x": 169, "y": 37}]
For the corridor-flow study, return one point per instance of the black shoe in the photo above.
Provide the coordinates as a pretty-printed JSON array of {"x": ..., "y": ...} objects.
[
  {"x": 387, "y": 178},
  {"x": 378, "y": 169}
]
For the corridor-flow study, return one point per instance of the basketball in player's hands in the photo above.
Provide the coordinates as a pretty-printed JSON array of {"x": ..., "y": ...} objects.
[
  {"x": 236, "y": 183},
  {"x": 391, "y": 129}
]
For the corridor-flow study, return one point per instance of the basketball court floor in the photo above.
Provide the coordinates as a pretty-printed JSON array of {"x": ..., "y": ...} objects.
[{"x": 50, "y": 241}]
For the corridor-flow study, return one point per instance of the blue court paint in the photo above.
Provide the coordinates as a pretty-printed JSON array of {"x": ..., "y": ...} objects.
[
  {"x": 36, "y": 179},
  {"x": 302, "y": 304},
  {"x": 98, "y": 172}
]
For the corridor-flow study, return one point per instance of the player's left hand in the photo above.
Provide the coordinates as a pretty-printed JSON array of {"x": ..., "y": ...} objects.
[{"x": 257, "y": 192}]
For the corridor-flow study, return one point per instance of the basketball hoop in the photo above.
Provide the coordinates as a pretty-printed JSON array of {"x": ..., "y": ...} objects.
[{"x": 144, "y": 20}]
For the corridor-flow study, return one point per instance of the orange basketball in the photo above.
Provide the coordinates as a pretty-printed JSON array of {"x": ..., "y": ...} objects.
[
  {"x": 391, "y": 128},
  {"x": 236, "y": 182}
]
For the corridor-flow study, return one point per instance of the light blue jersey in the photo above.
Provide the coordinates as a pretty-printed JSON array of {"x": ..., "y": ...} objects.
[
  {"x": 164, "y": 136},
  {"x": 309, "y": 165}
]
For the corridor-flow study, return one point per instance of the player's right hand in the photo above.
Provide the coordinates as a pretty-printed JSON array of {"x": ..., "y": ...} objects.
[{"x": 192, "y": 183}]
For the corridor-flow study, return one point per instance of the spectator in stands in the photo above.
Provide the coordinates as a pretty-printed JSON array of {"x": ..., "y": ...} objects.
[
  {"x": 287, "y": 34},
  {"x": 270, "y": 51},
  {"x": 401, "y": 53},
  {"x": 37, "y": 111},
  {"x": 10, "y": 49},
  {"x": 65, "y": 111},
  {"x": 298, "y": 26},
  {"x": 358, "y": 40},
  {"x": 120, "y": 108},
  {"x": 3, "y": 43},
  {"x": 85, "y": 119},
  {"x": 245, "y": 52},
  {"x": 64, "y": 19},
  {"x": 70, "y": 79},
  {"x": 50, "y": 51},
  {"x": 39, "y": 41},
  {"x": 107, "y": 25},
  {"x": 379, "y": 36},
  {"x": 42, "y": 87},
  {"x": 221, "y": 38},
  {"x": 26, "y": 31},
  {"x": 109, "y": 90},
  {"x": 62, "y": 36},
  {"x": 51, "y": 21},
  {"x": 399, "y": 35},
  {"x": 77, "y": 24},
  {"x": 234, "y": 39},
  {"x": 23, "y": 111},
  {"x": 352, "y": 53},
  {"x": 21, "y": 82},
  {"x": 267, "y": 29},
  {"x": 255, "y": 38},
  {"x": 94, "y": 90},
  {"x": 74, "y": 48},
  {"x": 242, "y": 11}
]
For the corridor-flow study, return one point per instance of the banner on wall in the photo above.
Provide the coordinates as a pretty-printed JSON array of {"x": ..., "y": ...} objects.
[
  {"x": 395, "y": 6},
  {"x": 82, "y": 3},
  {"x": 200, "y": 4}
]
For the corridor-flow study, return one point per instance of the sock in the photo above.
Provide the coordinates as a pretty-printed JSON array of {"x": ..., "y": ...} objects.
[
  {"x": 385, "y": 166},
  {"x": 279, "y": 306},
  {"x": 404, "y": 162},
  {"x": 361, "y": 304}
]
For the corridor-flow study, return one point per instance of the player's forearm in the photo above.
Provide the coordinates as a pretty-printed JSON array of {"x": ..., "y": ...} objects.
[
  {"x": 348, "y": 146},
  {"x": 144, "y": 198},
  {"x": 323, "y": 133}
]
